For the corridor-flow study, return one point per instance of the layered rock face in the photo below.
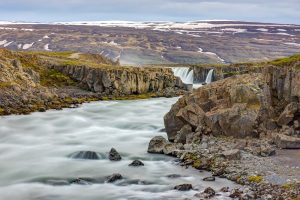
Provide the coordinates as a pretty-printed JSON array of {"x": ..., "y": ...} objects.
[
  {"x": 200, "y": 73},
  {"x": 122, "y": 80}
]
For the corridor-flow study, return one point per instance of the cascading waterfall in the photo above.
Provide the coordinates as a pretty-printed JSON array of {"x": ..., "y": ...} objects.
[
  {"x": 209, "y": 76},
  {"x": 185, "y": 74}
]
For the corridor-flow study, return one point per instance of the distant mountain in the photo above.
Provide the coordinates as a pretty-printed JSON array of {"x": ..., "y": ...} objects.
[{"x": 142, "y": 43}]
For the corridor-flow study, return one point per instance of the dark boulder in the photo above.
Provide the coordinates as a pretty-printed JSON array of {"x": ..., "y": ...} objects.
[
  {"x": 114, "y": 155},
  {"x": 113, "y": 178},
  {"x": 211, "y": 178},
  {"x": 136, "y": 163},
  {"x": 183, "y": 187},
  {"x": 209, "y": 192}
]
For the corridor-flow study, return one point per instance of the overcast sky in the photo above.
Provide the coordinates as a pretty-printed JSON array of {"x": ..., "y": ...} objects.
[{"x": 281, "y": 11}]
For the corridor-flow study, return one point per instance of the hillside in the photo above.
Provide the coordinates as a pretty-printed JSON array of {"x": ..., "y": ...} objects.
[{"x": 140, "y": 43}]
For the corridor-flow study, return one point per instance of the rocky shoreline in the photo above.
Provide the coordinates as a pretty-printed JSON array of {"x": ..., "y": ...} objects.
[{"x": 241, "y": 128}]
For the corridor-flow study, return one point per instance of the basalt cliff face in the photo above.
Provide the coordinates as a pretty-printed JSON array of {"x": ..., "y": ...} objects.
[
  {"x": 223, "y": 71},
  {"x": 37, "y": 81},
  {"x": 122, "y": 80},
  {"x": 243, "y": 105}
]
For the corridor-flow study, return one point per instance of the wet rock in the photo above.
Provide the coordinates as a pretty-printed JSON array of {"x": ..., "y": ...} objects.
[
  {"x": 114, "y": 155},
  {"x": 183, "y": 187},
  {"x": 113, "y": 178},
  {"x": 157, "y": 144},
  {"x": 209, "y": 192},
  {"x": 80, "y": 181},
  {"x": 89, "y": 155},
  {"x": 234, "y": 154},
  {"x": 57, "y": 182},
  {"x": 235, "y": 193},
  {"x": 211, "y": 178},
  {"x": 287, "y": 142},
  {"x": 136, "y": 163},
  {"x": 224, "y": 189},
  {"x": 173, "y": 176}
]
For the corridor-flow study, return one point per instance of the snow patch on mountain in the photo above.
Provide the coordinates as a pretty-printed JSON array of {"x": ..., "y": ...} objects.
[
  {"x": 7, "y": 44},
  {"x": 46, "y": 47},
  {"x": 27, "y": 46}
]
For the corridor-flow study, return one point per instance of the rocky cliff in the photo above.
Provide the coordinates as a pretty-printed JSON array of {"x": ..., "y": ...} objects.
[
  {"x": 242, "y": 105},
  {"x": 122, "y": 80},
  {"x": 37, "y": 81}
]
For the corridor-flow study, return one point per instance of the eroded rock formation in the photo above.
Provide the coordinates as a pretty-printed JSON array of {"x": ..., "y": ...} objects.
[{"x": 241, "y": 106}]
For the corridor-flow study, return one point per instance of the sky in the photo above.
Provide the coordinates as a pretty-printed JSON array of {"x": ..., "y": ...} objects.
[{"x": 278, "y": 11}]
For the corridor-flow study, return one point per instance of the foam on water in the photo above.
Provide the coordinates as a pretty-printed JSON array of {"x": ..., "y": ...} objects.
[{"x": 36, "y": 148}]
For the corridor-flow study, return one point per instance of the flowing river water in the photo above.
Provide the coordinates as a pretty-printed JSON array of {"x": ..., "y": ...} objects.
[{"x": 34, "y": 153}]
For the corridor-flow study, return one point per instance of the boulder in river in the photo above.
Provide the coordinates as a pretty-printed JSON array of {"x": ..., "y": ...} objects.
[
  {"x": 136, "y": 163},
  {"x": 157, "y": 144},
  {"x": 211, "y": 178},
  {"x": 113, "y": 178},
  {"x": 183, "y": 187},
  {"x": 80, "y": 181},
  {"x": 88, "y": 155},
  {"x": 114, "y": 155},
  {"x": 209, "y": 192}
]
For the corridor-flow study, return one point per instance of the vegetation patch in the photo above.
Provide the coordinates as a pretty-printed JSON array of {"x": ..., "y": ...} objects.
[
  {"x": 6, "y": 84},
  {"x": 286, "y": 61},
  {"x": 255, "y": 179},
  {"x": 51, "y": 77}
]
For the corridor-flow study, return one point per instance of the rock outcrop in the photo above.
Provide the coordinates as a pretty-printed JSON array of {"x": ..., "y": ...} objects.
[
  {"x": 241, "y": 106},
  {"x": 231, "y": 107}
]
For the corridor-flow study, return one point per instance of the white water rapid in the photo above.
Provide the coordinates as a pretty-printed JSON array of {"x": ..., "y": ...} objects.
[{"x": 34, "y": 153}]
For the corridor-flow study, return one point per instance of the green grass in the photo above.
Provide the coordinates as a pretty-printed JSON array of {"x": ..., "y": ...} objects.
[
  {"x": 286, "y": 61},
  {"x": 55, "y": 78}
]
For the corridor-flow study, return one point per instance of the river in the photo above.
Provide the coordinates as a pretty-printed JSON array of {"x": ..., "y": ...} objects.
[{"x": 34, "y": 152}]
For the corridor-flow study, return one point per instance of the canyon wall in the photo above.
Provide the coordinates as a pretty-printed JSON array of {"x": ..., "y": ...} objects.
[
  {"x": 221, "y": 72},
  {"x": 122, "y": 80}
]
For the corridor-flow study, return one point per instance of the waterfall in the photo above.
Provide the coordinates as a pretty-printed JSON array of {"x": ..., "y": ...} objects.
[
  {"x": 209, "y": 76},
  {"x": 185, "y": 74}
]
